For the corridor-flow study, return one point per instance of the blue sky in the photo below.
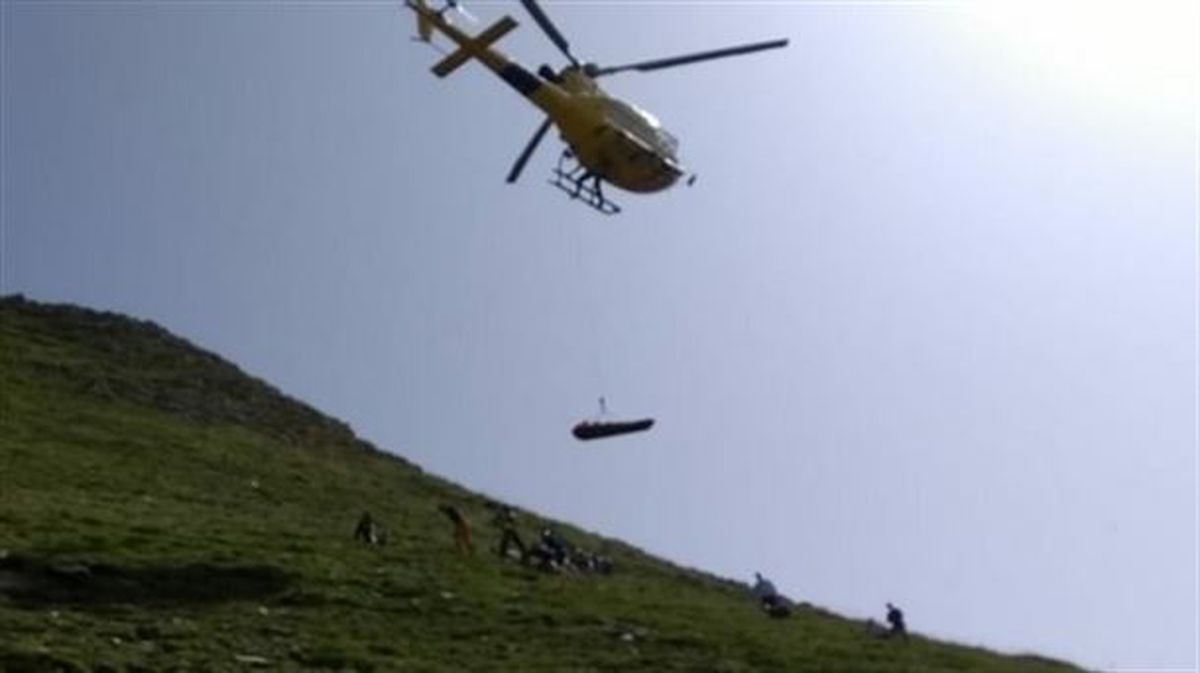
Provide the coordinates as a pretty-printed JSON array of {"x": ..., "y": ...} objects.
[{"x": 924, "y": 331}]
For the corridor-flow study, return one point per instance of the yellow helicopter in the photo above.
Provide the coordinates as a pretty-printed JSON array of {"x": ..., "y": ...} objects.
[{"x": 608, "y": 139}]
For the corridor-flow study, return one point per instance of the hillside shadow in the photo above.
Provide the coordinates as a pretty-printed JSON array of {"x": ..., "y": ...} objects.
[{"x": 31, "y": 581}]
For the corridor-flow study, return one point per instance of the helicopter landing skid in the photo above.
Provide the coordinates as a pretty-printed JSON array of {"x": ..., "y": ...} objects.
[{"x": 583, "y": 185}]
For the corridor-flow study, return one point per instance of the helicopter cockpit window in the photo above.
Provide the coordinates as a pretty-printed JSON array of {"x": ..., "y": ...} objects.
[{"x": 642, "y": 124}]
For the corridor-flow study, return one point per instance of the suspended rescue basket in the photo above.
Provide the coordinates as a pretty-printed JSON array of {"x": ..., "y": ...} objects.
[{"x": 598, "y": 429}]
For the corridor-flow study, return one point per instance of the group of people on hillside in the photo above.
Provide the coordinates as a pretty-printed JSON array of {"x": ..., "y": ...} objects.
[
  {"x": 775, "y": 604},
  {"x": 549, "y": 552}
]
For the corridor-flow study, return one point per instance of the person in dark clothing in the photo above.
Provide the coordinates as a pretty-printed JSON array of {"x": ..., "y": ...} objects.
[
  {"x": 895, "y": 620},
  {"x": 764, "y": 590},
  {"x": 365, "y": 531},
  {"x": 582, "y": 560},
  {"x": 773, "y": 603},
  {"x": 603, "y": 564},
  {"x": 556, "y": 545},
  {"x": 506, "y": 521},
  {"x": 462, "y": 529}
]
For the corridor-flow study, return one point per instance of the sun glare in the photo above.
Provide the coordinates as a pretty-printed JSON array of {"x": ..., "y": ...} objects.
[{"x": 1143, "y": 54}]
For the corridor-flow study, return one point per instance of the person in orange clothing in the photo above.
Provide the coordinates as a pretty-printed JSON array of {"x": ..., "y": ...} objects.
[{"x": 462, "y": 529}]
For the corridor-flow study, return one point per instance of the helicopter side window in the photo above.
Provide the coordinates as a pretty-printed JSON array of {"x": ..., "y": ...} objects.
[{"x": 621, "y": 117}]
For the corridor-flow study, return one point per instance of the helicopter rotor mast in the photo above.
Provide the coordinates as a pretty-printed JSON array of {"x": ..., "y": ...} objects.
[
  {"x": 550, "y": 29},
  {"x": 593, "y": 70}
]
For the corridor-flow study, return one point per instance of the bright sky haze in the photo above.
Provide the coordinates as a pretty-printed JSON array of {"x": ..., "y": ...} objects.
[{"x": 924, "y": 330}]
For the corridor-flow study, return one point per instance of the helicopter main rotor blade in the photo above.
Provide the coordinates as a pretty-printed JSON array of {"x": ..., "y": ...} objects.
[
  {"x": 550, "y": 29},
  {"x": 645, "y": 66},
  {"x": 528, "y": 151}
]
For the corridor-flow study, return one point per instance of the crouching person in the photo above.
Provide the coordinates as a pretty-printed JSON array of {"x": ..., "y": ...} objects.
[
  {"x": 896, "y": 625},
  {"x": 772, "y": 602}
]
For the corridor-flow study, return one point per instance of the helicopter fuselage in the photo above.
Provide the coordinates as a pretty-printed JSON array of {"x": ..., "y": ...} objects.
[{"x": 614, "y": 139}]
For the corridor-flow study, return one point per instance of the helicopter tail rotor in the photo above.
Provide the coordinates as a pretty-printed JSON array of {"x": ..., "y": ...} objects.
[
  {"x": 424, "y": 24},
  {"x": 461, "y": 10},
  {"x": 428, "y": 17}
]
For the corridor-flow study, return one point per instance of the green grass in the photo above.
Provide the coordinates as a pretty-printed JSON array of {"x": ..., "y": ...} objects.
[{"x": 161, "y": 510}]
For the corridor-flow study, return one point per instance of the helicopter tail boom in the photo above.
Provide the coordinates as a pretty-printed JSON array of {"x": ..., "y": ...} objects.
[
  {"x": 430, "y": 20},
  {"x": 543, "y": 94}
]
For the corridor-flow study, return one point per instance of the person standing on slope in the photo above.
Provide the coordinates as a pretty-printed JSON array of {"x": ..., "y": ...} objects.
[
  {"x": 462, "y": 529},
  {"x": 895, "y": 620}
]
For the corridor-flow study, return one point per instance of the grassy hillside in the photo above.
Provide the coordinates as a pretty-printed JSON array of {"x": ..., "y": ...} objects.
[{"x": 162, "y": 510}]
